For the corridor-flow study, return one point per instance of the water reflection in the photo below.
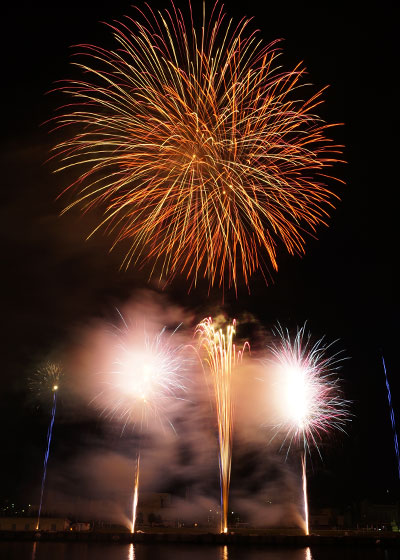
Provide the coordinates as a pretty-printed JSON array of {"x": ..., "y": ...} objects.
[
  {"x": 239, "y": 553},
  {"x": 131, "y": 552},
  {"x": 170, "y": 551},
  {"x": 308, "y": 555}
]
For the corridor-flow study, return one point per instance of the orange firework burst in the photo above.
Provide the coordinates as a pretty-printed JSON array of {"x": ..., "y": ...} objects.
[{"x": 198, "y": 147}]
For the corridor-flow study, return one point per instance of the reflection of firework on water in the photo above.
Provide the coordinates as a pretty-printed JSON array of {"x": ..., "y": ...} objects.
[
  {"x": 197, "y": 145},
  {"x": 131, "y": 553},
  {"x": 221, "y": 357},
  {"x": 46, "y": 379},
  {"x": 147, "y": 374},
  {"x": 311, "y": 398}
]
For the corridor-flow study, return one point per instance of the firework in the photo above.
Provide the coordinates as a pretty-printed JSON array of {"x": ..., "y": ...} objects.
[
  {"x": 311, "y": 398},
  {"x": 146, "y": 376},
  {"x": 135, "y": 492},
  {"x": 202, "y": 153},
  {"x": 45, "y": 381},
  {"x": 221, "y": 357},
  {"x": 147, "y": 373},
  {"x": 392, "y": 419}
]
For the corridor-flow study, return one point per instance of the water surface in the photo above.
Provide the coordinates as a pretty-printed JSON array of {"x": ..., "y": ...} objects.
[{"x": 166, "y": 551}]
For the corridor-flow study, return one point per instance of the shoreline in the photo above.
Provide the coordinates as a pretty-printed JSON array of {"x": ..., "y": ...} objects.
[{"x": 253, "y": 539}]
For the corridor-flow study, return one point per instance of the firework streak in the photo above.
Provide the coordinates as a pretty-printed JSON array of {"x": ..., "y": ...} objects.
[
  {"x": 396, "y": 443},
  {"x": 221, "y": 357},
  {"x": 312, "y": 402},
  {"x": 46, "y": 455},
  {"x": 135, "y": 492},
  {"x": 202, "y": 152}
]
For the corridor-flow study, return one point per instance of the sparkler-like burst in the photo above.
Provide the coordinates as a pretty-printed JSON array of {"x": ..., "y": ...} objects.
[
  {"x": 311, "y": 396},
  {"x": 312, "y": 403},
  {"x": 46, "y": 381},
  {"x": 147, "y": 373},
  {"x": 221, "y": 357},
  {"x": 198, "y": 147}
]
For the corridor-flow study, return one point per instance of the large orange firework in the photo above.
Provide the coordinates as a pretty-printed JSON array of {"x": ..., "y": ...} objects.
[{"x": 202, "y": 152}]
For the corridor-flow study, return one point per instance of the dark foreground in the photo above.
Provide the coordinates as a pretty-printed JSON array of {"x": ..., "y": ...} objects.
[{"x": 327, "y": 538}]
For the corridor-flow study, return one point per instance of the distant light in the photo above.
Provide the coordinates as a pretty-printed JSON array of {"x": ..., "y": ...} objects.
[{"x": 55, "y": 387}]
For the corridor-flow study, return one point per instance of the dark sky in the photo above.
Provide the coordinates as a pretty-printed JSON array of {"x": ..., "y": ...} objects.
[{"x": 345, "y": 286}]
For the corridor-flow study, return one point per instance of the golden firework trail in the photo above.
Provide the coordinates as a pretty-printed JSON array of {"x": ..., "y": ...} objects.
[
  {"x": 221, "y": 357},
  {"x": 202, "y": 153},
  {"x": 135, "y": 492}
]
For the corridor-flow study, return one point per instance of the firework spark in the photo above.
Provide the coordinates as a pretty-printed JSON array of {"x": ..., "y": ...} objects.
[
  {"x": 312, "y": 403},
  {"x": 45, "y": 381},
  {"x": 135, "y": 492},
  {"x": 221, "y": 357},
  {"x": 201, "y": 151},
  {"x": 147, "y": 374},
  {"x": 392, "y": 418}
]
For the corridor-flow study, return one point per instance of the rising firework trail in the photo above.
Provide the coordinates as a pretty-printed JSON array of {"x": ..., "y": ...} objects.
[
  {"x": 221, "y": 357},
  {"x": 202, "y": 152},
  {"x": 312, "y": 405},
  {"x": 146, "y": 375},
  {"x": 45, "y": 380},
  {"x": 396, "y": 443},
  {"x": 135, "y": 492}
]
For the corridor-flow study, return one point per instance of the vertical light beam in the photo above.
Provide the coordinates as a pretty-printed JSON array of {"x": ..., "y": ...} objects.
[
  {"x": 46, "y": 455},
  {"x": 396, "y": 443},
  {"x": 135, "y": 492}
]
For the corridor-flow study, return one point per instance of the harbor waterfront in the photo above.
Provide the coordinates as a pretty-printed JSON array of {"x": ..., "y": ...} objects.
[{"x": 261, "y": 538}]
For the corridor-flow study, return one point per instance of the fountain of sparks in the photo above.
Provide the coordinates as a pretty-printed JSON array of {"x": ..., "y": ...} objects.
[{"x": 221, "y": 357}]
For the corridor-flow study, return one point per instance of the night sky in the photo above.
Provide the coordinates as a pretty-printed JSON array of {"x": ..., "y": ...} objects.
[{"x": 345, "y": 286}]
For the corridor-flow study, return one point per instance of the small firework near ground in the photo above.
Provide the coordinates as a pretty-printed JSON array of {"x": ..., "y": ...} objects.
[
  {"x": 46, "y": 382},
  {"x": 46, "y": 379}
]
